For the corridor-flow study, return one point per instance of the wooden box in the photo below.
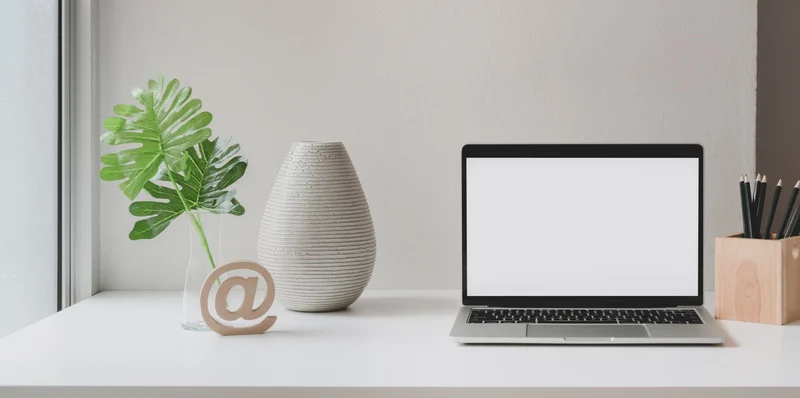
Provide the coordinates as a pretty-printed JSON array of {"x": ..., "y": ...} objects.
[{"x": 757, "y": 280}]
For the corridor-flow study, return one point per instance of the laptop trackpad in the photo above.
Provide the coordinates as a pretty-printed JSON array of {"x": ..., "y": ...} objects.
[{"x": 587, "y": 331}]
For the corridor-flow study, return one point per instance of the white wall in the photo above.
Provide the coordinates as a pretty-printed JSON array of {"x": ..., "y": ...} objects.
[{"x": 404, "y": 84}]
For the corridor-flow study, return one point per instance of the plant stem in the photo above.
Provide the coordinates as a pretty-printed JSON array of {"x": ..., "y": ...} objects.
[{"x": 198, "y": 225}]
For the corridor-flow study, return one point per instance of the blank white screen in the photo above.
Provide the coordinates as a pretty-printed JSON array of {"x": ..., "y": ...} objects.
[{"x": 582, "y": 226}]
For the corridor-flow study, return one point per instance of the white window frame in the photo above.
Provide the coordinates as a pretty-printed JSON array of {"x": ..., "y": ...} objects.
[{"x": 79, "y": 276}]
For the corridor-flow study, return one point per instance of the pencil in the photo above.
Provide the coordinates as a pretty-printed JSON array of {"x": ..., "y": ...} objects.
[
  {"x": 755, "y": 186},
  {"x": 793, "y": 224},
  {"x": 745, "y": 206},
  {"x": 745, "y": 197},
  {"x": 755, "y": 194},
  {"x": 749, "y": 193},
  {"x": 756, "y": 190},
  {"x": 753, "y": 205},
  {"x": 789, "y": 207},
  {"x": 761, "y": 195},
  {"x": 796, "y": 230},
  {"x": 749, "y": 207},
  {"x": 775, "y": 196}
]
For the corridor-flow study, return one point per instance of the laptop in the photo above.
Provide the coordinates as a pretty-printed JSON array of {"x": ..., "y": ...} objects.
[{"x": 583, "y": 244}]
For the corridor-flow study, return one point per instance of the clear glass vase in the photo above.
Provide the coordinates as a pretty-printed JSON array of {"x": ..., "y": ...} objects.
[{"x": 205, "y": 254}]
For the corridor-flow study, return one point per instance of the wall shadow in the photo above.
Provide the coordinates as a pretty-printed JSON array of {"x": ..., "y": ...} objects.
[{"x": 778, "y": 94}]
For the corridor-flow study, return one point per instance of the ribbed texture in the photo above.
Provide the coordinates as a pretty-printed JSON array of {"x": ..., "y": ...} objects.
[{"x": 316, "y": 236}]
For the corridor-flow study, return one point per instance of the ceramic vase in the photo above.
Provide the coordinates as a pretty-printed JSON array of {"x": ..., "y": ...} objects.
[{"x": 316, "y": 237}]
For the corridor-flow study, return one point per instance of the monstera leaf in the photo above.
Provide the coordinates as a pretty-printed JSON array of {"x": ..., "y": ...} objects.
[
  {"x": 211, "y": 168},
  {"x": 169, "y": 124},
  {"x": 161, "y": 213}
]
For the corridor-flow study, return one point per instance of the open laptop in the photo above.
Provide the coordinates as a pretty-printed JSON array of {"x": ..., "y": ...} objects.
[{"x": 583, "y": 244}]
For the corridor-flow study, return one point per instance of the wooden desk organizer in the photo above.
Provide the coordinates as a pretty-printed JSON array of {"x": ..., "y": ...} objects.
[{"x": 757, "y": 280}]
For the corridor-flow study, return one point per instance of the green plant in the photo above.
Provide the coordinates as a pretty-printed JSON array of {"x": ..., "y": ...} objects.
[{"x": 175, "y": 160}]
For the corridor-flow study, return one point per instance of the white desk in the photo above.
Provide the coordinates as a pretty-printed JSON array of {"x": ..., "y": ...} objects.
[{"x": 389, "y": 343}]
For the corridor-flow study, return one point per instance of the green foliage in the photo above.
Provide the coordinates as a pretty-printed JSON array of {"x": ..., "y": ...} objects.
[
  {"x": 169, "y": 124},
  {"x": 175, "y": 160},
  {"x": 160, "y": 214},
  {"x": 210, "y": 171}
]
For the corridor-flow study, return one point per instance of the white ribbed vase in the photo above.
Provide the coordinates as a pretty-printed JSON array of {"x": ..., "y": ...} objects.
[{"x": 316, "y": 237}]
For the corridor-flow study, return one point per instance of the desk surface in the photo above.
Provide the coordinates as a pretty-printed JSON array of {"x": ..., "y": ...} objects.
[{"x": 387, "y": 339}]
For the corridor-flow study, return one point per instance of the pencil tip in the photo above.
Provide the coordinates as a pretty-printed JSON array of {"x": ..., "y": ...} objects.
[
  {"x": 780, "y": 182},
  {"x": 797, "y": 185},
  {"x": 764, "y": 179},
  {"x": 745, "y": 178},
  {"x": 741, "y": 178},
  {"x": 758, "y": 177}
]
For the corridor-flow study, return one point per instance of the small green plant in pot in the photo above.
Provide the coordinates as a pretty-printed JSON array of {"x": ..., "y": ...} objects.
[{"x": 171, "y": 155}]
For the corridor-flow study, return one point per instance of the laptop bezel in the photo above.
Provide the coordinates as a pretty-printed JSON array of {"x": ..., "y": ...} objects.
[{"x": 581, "y": 151}]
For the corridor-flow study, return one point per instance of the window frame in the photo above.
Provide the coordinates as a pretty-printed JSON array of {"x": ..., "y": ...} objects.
[
  {"x": 79, "y": 124},
  {"x": 63, "y": 267}
]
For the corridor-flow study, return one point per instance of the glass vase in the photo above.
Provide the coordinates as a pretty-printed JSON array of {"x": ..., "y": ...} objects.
[{"x": 205, "y": 254}]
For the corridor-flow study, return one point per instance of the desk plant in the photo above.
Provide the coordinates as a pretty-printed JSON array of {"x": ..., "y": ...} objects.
[{"x": 172, "y": 157}]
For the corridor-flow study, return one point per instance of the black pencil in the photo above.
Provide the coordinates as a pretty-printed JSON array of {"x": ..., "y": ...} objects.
[
  {"x": 755, "y": 195},
  {"x": 755, "y": 192},
  {"x": 775, "y": 196},
  {"x": 745, "y": 197},
  {"x": 793, "y": 223},
  {"x": 789, "y": 207},
  {"x": 754, "y": 205},
  {"x": 749, "y": 207},
  {"x": 749, "y": 193},
  {"x": 796, "y": 230},
  {"x": 761, "y": 195}
]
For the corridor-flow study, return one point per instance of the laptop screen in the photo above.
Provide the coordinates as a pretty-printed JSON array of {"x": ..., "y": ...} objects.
[{"x": 582, "y": 226}]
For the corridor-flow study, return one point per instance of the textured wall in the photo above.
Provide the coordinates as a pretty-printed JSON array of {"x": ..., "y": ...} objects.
[{"x": 404, "y": 84}]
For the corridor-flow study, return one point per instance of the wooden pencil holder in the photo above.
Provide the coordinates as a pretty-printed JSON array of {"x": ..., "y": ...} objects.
[{"x": 757, "y": 280}]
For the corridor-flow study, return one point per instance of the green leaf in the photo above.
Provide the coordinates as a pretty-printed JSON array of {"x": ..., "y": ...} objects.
[
  {"x": 168, "y": 123},
  {"x": 160, "y": 214},
  {"x": 212, "y": 167},
  {"x": 126, "y": 110}
]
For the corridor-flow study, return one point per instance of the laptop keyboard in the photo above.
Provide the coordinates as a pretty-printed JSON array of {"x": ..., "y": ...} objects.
[{"x": 685, "y": 316}]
